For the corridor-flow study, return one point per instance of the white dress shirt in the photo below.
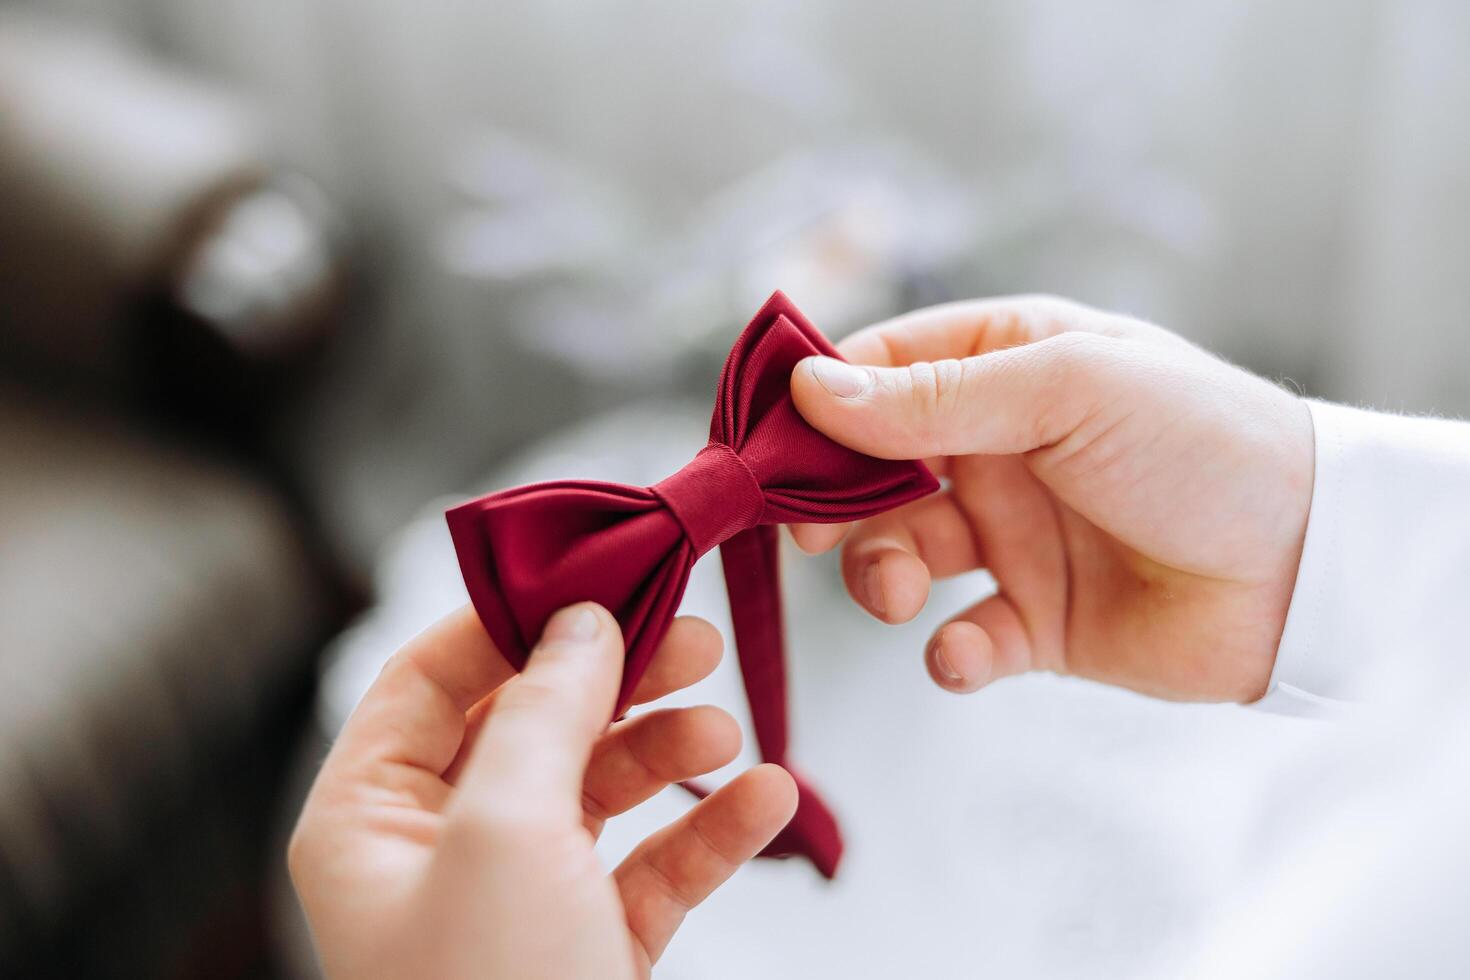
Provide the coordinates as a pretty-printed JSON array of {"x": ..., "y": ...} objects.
[
  {"x": 1377, "y": 882},
  {"x": 1384, "y": 583}
]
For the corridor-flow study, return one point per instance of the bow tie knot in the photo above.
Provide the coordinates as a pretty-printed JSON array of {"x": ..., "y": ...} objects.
[{"x": 714, "y": 497}]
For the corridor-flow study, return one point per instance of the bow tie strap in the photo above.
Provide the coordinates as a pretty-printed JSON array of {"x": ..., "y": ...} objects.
[
  {"x": 717, "y": 500},
  {"x": 751, "y": 562}
]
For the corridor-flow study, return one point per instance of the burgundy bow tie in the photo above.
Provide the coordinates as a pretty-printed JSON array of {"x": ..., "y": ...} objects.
[{"x": 527, "y": 552}]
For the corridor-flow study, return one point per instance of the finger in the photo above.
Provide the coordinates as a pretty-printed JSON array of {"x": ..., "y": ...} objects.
[
  {"x": 642, "y": 755},
  {"x": 414, "y": 713},
  {"x": 984, "y": 643},
  {"x": 889, "y": 560},
  {"x": 1006, "y": 401},
  {"x": 817, "y": 538},
  {"x": 532, "y": 753},
  {"x": 978, "y": 326},
  {"x": 969, "y": 327},
  {"x": 688, "y": 653},
  {"x": 1024, "y": 626},
  {"x": 1023, "y": 530},
  {"x": 678, "y": 867}
]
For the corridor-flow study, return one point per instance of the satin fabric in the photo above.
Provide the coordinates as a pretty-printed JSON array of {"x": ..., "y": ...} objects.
[{"x": 532, "y": 550}]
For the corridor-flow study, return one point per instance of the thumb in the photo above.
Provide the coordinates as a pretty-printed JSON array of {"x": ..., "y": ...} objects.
[
  {"x": 534, "y": 748},
  {"x": 1007, "y": 401}
]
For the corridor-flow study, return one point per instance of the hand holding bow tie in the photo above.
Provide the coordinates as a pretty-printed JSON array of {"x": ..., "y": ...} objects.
[
  {"x": 450, "y": 832},
  {"x": 532, "y": 550}
]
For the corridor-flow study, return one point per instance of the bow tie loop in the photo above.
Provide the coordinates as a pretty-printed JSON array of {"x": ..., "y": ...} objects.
[{"x": 713, "y": 498}]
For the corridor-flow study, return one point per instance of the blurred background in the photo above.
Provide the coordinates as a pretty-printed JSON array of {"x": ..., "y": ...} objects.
[{"x": 277, "y": 275}]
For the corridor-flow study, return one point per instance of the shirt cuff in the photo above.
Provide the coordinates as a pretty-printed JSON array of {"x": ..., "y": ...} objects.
[{"x": 1386, "y": 554}]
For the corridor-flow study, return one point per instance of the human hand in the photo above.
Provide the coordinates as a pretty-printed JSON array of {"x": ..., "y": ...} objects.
[
  {"x": 450, "y": 832},
  {"x": 1140, "y": 503}
]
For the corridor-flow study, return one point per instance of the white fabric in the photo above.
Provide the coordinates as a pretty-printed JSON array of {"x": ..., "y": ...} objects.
[
  {"x": 1376, "y": 882},
  {"x": 1372, "y": 877},
  {"x": 1384, "y": 582}
]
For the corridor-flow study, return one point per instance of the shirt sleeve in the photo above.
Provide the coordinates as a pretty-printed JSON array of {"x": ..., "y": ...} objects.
[{"x": 1384, "y": 581}]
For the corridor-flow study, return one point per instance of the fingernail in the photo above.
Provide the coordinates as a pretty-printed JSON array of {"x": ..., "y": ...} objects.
[
  {"x": 941, "y": 662},
  {"x": 873, "y": 587},
  {"x": 574, "y": 623},
  {"x": 840, "y": 378}
]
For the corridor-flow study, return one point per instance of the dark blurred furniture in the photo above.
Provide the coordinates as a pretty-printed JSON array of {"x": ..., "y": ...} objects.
[{"x": 161, "y": 601}]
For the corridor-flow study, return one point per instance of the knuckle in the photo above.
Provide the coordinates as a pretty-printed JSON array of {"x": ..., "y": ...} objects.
[
  {"x": 1073, "y": 358},
  {"x": 949, "y": 377},
  {"x": 919, "y": 381},
  {"x": 1058, "y": 309},
  {"x": 1038, "y": 315},
  {"x": 923, "y": 395},
  {"x": 665, "y": 882},
  {"x": 1068, "y": 376},
  {"x": 712, "y": 848},
  {"x": 936, "y": 391},
  {"x": 594, "y": 807},
  {"x": 1078, "y": 349},
  {"x": 636, "y": 745}
]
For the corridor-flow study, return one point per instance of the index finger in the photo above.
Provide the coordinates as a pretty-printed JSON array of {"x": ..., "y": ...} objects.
[{"x": 971, "y": 327}]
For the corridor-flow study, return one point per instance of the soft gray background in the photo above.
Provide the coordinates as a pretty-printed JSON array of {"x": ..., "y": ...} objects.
[{"x": 599, "y": 184}]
